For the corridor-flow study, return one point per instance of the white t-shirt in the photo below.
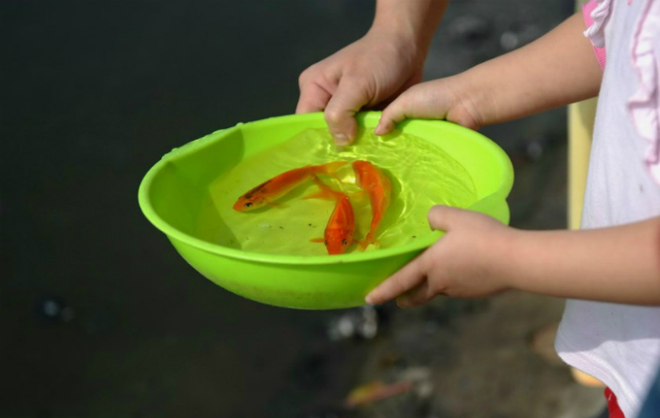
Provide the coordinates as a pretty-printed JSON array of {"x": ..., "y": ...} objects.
[{"x": 620, "y": 344}]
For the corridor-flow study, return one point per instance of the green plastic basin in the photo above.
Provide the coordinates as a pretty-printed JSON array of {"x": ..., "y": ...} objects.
[{"x": 174, "y": 192}]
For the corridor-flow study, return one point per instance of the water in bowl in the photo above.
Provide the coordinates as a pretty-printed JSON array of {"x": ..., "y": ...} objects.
[{"x": 422, "y": 175}]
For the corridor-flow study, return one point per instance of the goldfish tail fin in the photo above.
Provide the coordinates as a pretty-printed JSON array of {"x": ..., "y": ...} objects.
[
  {"x": 321, "y": 194},
  {"x": 359, "y": 195},
  {"x": 332, "y": 167},
  {"x": 367, "y": 241},
  {"x": 325, "y": 191}
]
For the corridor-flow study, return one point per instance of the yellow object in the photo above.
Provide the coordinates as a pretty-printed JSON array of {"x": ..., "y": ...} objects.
[
  {"x": 585, "y": 379},
  {"x": 580, "y": 129},
  {"x": 581, "y": 117}
]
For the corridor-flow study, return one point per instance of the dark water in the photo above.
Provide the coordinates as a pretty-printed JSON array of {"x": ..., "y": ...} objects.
[{"x": 99, "y": 316}]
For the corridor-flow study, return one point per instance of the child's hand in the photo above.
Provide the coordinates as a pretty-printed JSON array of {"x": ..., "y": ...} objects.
[
  {"x": 555, "y": 70},
  {"x": 445, "y": 98},
  {"x": 468, "y": 261}
]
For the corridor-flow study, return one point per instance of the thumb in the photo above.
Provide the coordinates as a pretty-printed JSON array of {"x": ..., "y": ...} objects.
[
  {"x": 444, "y": 218},
  {"x": 340, "y": 112},
  {"x": 394, "y": 113}
]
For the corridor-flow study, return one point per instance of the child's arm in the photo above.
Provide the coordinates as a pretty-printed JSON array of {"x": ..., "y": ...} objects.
[
  {"x": 375, "y": 68},
  {"x": 557, "y": 69},
  {"x": 479, "y": 256}
]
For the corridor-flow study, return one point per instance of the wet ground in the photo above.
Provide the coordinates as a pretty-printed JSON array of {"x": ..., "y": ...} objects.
[{"x": 101, "y": 318}]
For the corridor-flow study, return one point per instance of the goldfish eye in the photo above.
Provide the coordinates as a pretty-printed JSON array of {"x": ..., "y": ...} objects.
[
  {"x": 248, "y": 204},
  {"x": 344, "y": 242}
]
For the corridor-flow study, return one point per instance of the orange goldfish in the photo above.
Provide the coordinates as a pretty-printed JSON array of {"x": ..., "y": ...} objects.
[
  {"x": 339, "y": 231},
  {"x": 278, "y": 186},
  {"x": 379, "y": 189}
]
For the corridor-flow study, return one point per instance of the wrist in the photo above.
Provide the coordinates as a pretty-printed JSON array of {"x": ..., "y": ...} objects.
[
  {"x": 413, "y": 23},
  {"x": 502, "y": 258},
  {"x": 401, "y": 40},
  {"x": 401, "y": 31},
  {"x": 467, "y": 101}
]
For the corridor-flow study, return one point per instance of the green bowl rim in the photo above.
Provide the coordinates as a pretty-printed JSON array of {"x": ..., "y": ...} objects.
[{"x": 194, "y": 146}]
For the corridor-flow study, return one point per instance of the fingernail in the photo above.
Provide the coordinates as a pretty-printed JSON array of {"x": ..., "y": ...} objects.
[
  {"x": 341, "y": 139},
  {"x": 369, "y": 300},
  {"x": 378, "y": 130}
]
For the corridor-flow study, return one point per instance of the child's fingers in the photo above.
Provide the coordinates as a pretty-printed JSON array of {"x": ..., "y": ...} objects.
[
  {"x": 340, "y": 112},
  {"x": 443, "y": 218},
  {"x": 416, "y": 296},
  {"x": 410, "y": 276}
]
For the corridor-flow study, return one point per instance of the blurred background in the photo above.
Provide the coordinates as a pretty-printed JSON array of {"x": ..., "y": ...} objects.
[{"x": 99, "y": 315}]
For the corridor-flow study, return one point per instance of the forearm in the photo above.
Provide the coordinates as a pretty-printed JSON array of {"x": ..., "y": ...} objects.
[
  {"x": 617, "y": 264},
  {"x": 415, "y": 21},
  {"x": 557, "y": 69}
]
